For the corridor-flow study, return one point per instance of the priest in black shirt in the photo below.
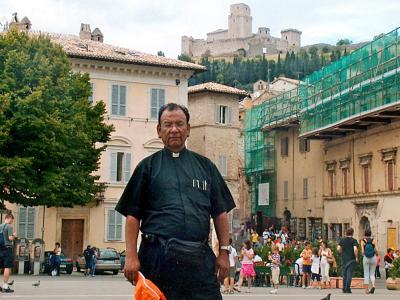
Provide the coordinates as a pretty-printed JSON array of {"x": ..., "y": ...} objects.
[
  {"x": 348, "y": 246},
  {"x": 170, "y": 197}
]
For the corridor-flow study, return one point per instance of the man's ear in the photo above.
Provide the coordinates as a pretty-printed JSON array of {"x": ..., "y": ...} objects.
[
  {"x": 188, "y": 130},
  {"x": 158, "y": 130}
]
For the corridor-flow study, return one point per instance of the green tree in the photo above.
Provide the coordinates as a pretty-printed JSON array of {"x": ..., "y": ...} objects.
[
  {"x": 342, "y": 42},
  {"x": 185, "y": 57},
  {"x": 160, "y": 53},
  {"x": 48, "y": 128}
]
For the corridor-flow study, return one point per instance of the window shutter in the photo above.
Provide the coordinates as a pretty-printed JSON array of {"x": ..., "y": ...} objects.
[
  {"x": 127, "y": 166},
  {"x": 31, "y": 223},
  {"x": 113, "y": 166},
  {"x": 217, "y": 108},
  {"x": 154, "y": 104},
  {"x": 122, "y": 100},
  {"x": 111, "y": 225},
  {"x": 305, "y": 188},
  {"x": 22, "y": 222},
  {"x": 161, "y": 98},
  {"x": 114, "y": 100},
  {"x": 90, "y": 98},
  {"x": 118, "y": 226},
  {"x": 229, "y": 115}
]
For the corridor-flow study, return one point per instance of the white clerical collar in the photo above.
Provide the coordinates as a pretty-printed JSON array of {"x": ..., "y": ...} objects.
[{"x": 175, "y": 154}]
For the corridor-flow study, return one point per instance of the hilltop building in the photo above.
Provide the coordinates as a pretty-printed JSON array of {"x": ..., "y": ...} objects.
[{"x": 239, "y": 39}]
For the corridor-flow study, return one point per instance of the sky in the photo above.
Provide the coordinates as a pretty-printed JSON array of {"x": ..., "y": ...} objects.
[{"x": 152, "y": 25}]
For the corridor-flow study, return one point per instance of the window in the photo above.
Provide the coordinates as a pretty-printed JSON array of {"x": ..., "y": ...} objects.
[
  {"x": 390, "y": 175},
  {"x": 222, "y": 165},
  {"x": 345, "y": 174},
  {"x": 302, "y": 228},
  {"x": 285, "y": 146},
  {"x": 314, "y": 228},
  {"x": 331, "y": 183},
  {"x": 336, "y": 231},
  {"x": 157, "y": 100},
  {"x": 365, "y": 175},
  {"x": 305, "y": 188},
  {"x": 286, "y": 190},
  {"x": 120, "y": 167},
  {"x": 223, "y": 114},
  {"x": 26, "y": 222},
  {"x": 118, "y": 100},
  {"x": 304, "y": 145},
  {"x": 114, "y": 225},
  {"x": 90, "y": 98}
]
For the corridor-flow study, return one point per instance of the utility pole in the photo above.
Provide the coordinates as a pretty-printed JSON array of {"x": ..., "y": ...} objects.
[{"x": 264, "y": 54}]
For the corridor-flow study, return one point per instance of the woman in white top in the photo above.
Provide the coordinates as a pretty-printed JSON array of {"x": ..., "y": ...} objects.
[
  {"x": 247, "y": 271},
  {"x": 326, "y": 257}
]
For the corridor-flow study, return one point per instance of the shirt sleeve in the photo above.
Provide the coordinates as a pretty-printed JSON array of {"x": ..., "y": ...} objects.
[
  {"x": 221, "y": 197},
  {"x": 9, "y": 232},
  {"x": 134, "y": 195},
  {"x": 355, "y": 243}
]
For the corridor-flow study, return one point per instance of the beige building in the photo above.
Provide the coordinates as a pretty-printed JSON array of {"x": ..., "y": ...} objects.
[
  {"x": 362, "y": 184},
  {"x": 215, "y": 134},
  {"x": 133, "y": 85},
  {"x": 239, "y": 39}
]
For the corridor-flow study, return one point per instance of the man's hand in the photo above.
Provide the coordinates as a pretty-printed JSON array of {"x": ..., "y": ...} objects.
[
  {"x": 132, "y": 266},
  {"x": 222, "y": 265}
]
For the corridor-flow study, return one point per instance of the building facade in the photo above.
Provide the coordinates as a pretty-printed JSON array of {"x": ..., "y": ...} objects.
[
  {"x": 239, "y": 39},
  {"x": 214, "y": 133},
  {"x": 133, "y": 85}
]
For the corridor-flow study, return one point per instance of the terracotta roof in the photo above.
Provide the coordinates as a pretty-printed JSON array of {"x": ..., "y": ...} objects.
[
  {"x": 290, "y": 80},
  {"x": 217, "y": 88},
  {"x": 78, "y": 48}
]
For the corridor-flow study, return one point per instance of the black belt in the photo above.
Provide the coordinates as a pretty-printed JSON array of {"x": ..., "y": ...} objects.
[{"x": 152, "y": 238}]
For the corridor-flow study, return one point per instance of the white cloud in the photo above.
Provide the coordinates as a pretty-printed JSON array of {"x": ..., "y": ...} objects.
[{"x": 149, "y": 26}]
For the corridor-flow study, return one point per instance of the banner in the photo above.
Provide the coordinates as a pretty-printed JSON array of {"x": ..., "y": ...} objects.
[{"x": 263, "y": 193}]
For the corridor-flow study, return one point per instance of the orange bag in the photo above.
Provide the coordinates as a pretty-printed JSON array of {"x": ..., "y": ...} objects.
[{"x": 147, "y": 290}]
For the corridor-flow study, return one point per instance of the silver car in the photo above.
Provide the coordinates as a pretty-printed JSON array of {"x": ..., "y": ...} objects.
[{"x": 107, "y": 260}]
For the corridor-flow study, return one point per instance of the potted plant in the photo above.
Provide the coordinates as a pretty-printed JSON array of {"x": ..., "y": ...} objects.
[{"x": 393, "y": 282}]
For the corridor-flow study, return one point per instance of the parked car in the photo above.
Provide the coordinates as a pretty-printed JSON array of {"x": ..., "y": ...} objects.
[
  {"x": 122, "y": 256},
  {"x": 67, "y": 264},
  {"x": 107, "y": 260}
]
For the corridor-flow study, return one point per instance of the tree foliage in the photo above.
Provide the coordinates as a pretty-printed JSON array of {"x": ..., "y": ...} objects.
[
  {"x": 48, "y": 128},
  {"x": 242, "y": 73}
]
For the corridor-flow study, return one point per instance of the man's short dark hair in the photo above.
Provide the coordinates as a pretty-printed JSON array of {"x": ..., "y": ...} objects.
[
  {"x": 367, "y": 232},
  {"x": 350, "y": 231},
  {"x": 171, "y": 107}
]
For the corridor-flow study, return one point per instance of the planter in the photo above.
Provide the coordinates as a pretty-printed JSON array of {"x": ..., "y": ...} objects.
[
  {"x": 393, "y": 283},
  {"x": 356, "y": 283}
]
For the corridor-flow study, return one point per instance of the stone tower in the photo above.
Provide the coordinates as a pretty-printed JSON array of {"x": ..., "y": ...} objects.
[
  {"x": 239, "y": 21},
  {"x": 85, "y": 33},
  {"x": 293, "y": 37}
]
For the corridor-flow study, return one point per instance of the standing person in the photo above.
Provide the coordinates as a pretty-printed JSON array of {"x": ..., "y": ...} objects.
[
  {"x": 94, "y": 261},
  {"x": 6, "y": 252},
  {"x": 315, "y": 267},
  {"x": 275, "y": 259},
  {"x": 306, "y": 255},
  {"x": 247, "y": 271},
  {"x": 57, "y": 258},
  {"x": 229, "y": 282},
  {"x": 326, "y": 257},
  {"x": 88, "y": 255},
  {"x": 388, "y": 261},
  {"x": 378, "y": 265},
  {"x": 171, "y": 196},
  {"x": 368, "y": 249},
  {"x": 348, "y": 247}
]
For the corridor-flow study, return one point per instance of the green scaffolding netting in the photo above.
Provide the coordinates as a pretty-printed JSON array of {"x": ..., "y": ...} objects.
[{"x": 362, "y": 82}]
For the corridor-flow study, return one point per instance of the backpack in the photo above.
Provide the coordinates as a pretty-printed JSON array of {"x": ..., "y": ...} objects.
[
  {"x": 87, "y": 254},
  {"x": 369, "y": 248},
  {"x": 2, "y": 237}
]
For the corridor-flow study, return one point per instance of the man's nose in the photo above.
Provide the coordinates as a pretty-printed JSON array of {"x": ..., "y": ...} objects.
[{"x": 174, "y": 128}]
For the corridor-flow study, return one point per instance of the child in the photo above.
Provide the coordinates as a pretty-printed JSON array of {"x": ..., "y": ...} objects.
[
  {"x": 247, "y": 270},
  {"x": 275, "y": 259},
  {"x": 315, "y": 266},
  {"x": 306, "y": 255}
]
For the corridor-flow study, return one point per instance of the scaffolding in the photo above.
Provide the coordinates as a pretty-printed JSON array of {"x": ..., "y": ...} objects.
[
  {"x": 347, "y": 92},
  {"x": 363, "y": 82}
]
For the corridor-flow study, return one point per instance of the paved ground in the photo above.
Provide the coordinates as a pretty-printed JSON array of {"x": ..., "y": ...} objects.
[{"x": 78, "y": 287}]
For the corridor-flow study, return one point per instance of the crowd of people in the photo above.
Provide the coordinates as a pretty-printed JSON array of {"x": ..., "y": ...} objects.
[{"x": 312, "y": 268}]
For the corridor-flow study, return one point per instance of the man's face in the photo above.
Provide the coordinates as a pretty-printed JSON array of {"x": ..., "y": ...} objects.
[{"x": 173, "y": 129}]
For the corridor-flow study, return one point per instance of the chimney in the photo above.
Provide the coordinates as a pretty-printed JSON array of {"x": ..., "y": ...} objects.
[{"x": 85, "y": 33}]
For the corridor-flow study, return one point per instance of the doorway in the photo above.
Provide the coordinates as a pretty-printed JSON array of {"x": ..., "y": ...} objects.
[{"x": 72, "y": 237}]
